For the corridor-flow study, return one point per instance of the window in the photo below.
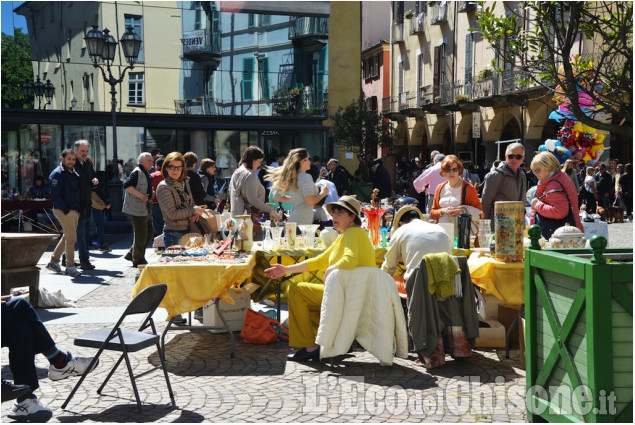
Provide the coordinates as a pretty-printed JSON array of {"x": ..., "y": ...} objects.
[
  {"x": 420, "y": 68},
  {"x": 263, "y": 77},
  {"x": 251, "y": 20},
  {"x": 469, "y": 48},
  {"x": 248, "y": 78},
  {"x": 265, "y": 20},
  {"x": 136, "y": 82},
  {"x": 438, "y": 69},
  {"x": 137, "y": 26}
]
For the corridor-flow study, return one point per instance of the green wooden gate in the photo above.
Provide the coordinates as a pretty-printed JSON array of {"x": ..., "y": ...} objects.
[{"x": 579, "y": 333}]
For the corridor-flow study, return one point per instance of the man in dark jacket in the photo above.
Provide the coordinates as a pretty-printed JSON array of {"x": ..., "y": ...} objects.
[
  {"x": 381, "y": 179},
  {"x": 64, "y": 183},
  {"x": 84, "y": 168},
  {"x": 507, "y": 182},
  {"x": 339, "y": 176},
  {"x": 605, "y": 186},
  {"x": 198, "y": 194}
]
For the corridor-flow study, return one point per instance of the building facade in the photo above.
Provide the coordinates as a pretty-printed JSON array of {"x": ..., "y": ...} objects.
[
  {"x": 445, "y": 94},
  {"x": 208, "y": 80}
]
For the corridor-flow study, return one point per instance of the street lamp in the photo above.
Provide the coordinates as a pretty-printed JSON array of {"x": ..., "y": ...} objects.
[
  {"x": 41, "y": 90},
  {"x": 103, "y": 46}
]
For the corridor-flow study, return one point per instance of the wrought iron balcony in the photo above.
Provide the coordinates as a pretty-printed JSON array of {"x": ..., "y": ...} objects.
[
  {"x": 385, "y": 105},
  {"x": 397, "y": 32},
  {"x": 190, "y": 106},
  {"x": 201, "y": 45},
  {"x": 466, "y": 6},
  {"x": 438, "y": 13},
  {"x": 300, "y": 102},
  {"x": 308, "y": 26},
  {"x": 416, "y": 25}
]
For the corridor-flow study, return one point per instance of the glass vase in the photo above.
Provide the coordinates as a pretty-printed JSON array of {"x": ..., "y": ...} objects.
[{"x": 374, "y": 223}]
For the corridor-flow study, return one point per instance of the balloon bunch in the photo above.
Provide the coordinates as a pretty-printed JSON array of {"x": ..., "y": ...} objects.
[{"x": 575, "y": 140}]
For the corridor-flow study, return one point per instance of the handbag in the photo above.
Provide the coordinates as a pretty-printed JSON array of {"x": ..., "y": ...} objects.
[
  {"x": 206, "y": 224},
  {"x": 261, "y": 329},
  {"x": 96, "y": 201},
  {"x": 550, "y": 225}
]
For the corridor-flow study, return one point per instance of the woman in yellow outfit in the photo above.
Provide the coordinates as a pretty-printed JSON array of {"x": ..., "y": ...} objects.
[{"x": 351, "y": 249}]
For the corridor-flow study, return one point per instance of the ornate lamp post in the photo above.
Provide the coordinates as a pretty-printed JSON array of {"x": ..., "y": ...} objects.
[
  {"x": 103, "y": 46},
  {"x": 41, "y": 90}
]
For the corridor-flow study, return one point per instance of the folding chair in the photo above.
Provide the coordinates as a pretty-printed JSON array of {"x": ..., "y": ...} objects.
[{"x": 118, "y": 339}]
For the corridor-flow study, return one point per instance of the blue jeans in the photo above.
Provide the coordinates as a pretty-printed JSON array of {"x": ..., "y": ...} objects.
[
  {"x": 80, "y": 244},
  {"x": 98, "y": 218},
  {"x": 157, "y": 219},
  {"x": 172, "y": 238},
  {"x": 25, "y": 335}
]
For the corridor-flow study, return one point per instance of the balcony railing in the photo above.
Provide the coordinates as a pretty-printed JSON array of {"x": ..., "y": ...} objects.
[
  {"x": 385, "y": 105},
  {"x": 483, "y": 89},
  {"x": 189, "y": 106},
  {"x": 466, "y": 6},
  {"x": 416, "y": 25},
  {"x": 450, "y": 92},
  {"x": 307, "y": 102},
  {"x": 438, "y": 13},
  {"x": 201, "y": 45},
  {"x": 308, "y": 26},
  {"x": 397, "y": 32}
]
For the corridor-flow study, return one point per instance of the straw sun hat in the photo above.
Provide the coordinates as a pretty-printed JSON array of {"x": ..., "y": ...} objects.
[
  {"x": 349, "y": 203},
  {"x": 401, "y": 211}
]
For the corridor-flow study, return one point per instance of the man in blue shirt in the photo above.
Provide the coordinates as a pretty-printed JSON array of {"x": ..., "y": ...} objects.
[{"x": 64, "y": 183}]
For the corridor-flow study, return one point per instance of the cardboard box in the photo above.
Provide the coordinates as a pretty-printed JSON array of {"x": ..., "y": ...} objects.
[
  {"x": 492, "y": 337},
  {"x": 595, "y": 228},
  {"x": 234, "y": 313},
  {"x": 506, "y": 316},
  {"x": 491, "y": 307}
]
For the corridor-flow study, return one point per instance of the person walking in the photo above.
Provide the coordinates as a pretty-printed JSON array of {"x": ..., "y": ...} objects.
[
  {"x": 589, "y": 197},
  {"x": 291, "y": 183},
  {"x": 381, "y": 179},
  {"x": 339, "y": 176},
  {"x": 87, "y": 179},
  {"x": 626, "y": 186},
  {"x": 507, "y": 182},
  {"x": 431, "y": 177},
  {"x": 137, "y": 203},
  {"x": 64, "y": 183},
  {"x": 99, "y": 204},
  {"x": 604, "y": 186}
]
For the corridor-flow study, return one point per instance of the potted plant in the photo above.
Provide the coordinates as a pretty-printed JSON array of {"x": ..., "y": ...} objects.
[
  {"x": 461, "y": 98},
  {"x": 409, "y": 14},
  {"x": 484, "y": 74}
]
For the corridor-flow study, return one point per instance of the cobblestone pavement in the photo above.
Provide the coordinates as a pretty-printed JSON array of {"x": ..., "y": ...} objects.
[{"x": 259, "y": 385}]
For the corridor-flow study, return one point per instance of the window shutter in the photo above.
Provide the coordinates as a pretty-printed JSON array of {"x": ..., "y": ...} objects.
[
  {"x": 264, "y": 78},
  {"x": 321, "y": 70},
  {"x": 298, "y": 63},
  {"x": 248, "y": 77},
  {"x": 468, "y": 58},
  {"x": 436, "y": 80}
]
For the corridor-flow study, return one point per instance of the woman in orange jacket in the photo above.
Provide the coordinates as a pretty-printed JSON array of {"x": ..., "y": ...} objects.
[{"x": 453, "y": 193}]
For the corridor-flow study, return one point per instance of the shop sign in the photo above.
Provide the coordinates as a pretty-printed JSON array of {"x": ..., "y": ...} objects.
[
  {"x": 476, "y": 125},
  {"x": 193, "y": 41}
]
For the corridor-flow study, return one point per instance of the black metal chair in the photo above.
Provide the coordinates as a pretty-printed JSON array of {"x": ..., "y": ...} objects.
[{"x": 118, "y": 339}]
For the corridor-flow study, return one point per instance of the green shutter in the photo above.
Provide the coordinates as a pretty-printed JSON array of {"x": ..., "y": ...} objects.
[
  {"x": 248, "y": 78},
  {"x": 264, "y": 78}
]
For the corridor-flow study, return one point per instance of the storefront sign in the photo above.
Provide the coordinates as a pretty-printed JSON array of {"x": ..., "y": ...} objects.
[
  {"x": 476, "y": 125},
  {"x": 193, "y": 41}
]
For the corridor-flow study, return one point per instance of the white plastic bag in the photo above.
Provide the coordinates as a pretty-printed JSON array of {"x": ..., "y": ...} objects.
[{"x": 54, "y": 299}]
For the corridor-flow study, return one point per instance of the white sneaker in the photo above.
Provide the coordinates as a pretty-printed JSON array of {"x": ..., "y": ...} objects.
[
  {"x": 30, "y": 410},
  {"x": 75, "y": 367},
  {"x": 54, "y": 267},
  {"x": 72, "y": 271}
]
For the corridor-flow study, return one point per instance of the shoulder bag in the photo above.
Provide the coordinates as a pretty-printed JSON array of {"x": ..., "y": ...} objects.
[
  {"x": 550, "y": 225},
  {"x": 261, "y": 329}
]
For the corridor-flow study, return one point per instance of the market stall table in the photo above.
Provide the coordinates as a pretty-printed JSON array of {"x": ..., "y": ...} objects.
[
  {"x": 15, "y": 210},
  {"x": 193, "y": 284}
]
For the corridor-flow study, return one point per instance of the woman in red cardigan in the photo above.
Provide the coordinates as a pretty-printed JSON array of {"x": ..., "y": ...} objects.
[
  {"x": 453, "y": 193},
  {"x": 556, "y": 195}
]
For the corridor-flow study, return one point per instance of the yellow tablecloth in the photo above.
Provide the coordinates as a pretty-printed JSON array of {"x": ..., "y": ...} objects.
[
  {"x": 506, "y": 281},
  {"x": 191, "y": 286}
]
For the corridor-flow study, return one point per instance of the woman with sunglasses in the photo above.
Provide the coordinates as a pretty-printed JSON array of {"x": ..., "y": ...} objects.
[
  {"x": 175, "y": 200},
  {"x": 453, "y": 193},
  {"x": 351, "y": 249}
]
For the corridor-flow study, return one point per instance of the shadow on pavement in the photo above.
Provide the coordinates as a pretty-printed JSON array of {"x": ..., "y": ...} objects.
[{"x": 126, "y": 413}]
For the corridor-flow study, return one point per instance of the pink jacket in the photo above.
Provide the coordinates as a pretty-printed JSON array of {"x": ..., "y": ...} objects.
[{"x": 555, "y": 205}]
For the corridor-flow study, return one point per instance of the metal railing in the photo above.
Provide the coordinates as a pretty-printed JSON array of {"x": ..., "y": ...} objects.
[
  {"x": 465, "y": 6},
  {"x": 385, "y": 105},
  {"x": 438, "y": 13},
  {"x": 483, "y": 89},
  {"x": 416, "y": 25},
  {"x": 201, "y": 42},
  {"x": 397, "y": 32},
  {"x": 450, "y": 92},
  {"x": 306, "y": 26}
]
